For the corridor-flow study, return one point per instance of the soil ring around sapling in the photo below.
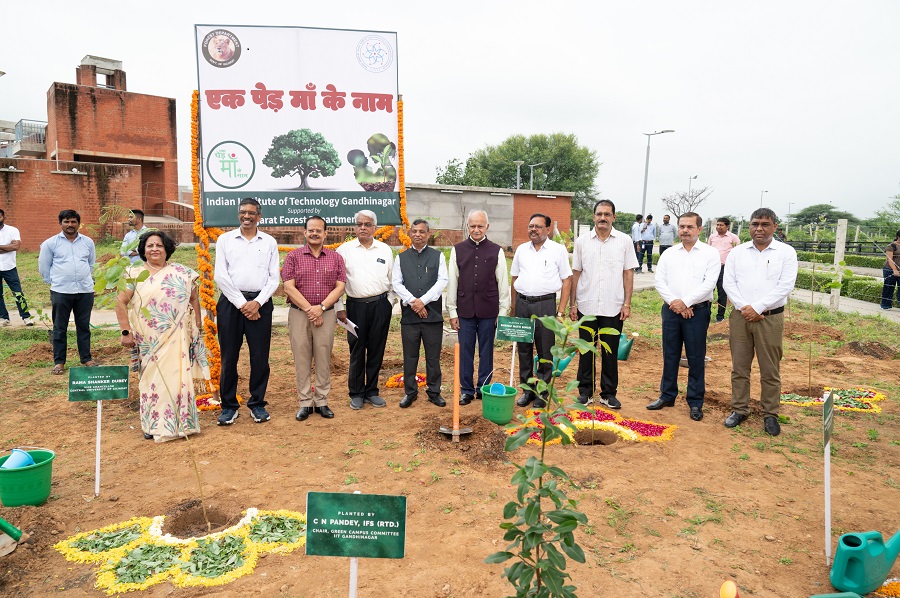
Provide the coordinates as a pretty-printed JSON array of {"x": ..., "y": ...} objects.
[
  {"x": 595, "y": 437},
  {"x": 186, "y": 520}
]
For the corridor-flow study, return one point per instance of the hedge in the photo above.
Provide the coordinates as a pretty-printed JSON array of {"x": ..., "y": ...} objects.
[
  {"x": 863, "y": 261},
  {"x": 864, "y": 288}
]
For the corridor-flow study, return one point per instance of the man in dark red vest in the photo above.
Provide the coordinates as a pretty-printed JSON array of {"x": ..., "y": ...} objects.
[{"x": 477, "y": 292}]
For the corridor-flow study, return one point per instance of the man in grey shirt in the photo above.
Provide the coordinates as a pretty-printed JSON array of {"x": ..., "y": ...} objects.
[{"x": 667, "y": 234}]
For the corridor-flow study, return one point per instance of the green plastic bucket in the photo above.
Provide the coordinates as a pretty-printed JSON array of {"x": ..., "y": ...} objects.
[
  {"x": 27, "y": 485},
  {"x": 498, "y": 408}
]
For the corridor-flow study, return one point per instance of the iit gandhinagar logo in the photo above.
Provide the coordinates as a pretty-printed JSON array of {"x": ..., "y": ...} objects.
[
  {"x": 221, "y": 48},
  {"x": 230, "y": 165},
  {"x": 374, "y": 53}
]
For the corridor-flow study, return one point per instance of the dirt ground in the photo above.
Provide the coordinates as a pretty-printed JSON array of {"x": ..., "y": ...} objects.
[{"x": 672, "y": 518}]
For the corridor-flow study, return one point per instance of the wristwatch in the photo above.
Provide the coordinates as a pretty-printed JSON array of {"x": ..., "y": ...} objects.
[
  {"x": 559, "y": 314},
  {"x": 126, "y": 332}
]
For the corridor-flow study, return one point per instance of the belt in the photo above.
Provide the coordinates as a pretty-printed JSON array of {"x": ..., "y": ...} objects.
[
  {"x": 537, "y": 299},
  {"x": 701, "y": 304},
  {"x": 301, "y": 309},
  {"x": 773, "y": 312},
  {"x": 250, "y": 295},
  {"x": 371, "y": 299}
]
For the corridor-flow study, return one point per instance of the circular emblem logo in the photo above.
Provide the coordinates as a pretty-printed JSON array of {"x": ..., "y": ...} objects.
[
  {"x": 221, "y": 48},
  {"x": 374, "y": 53},
  {"x": 230, "y": 165}
]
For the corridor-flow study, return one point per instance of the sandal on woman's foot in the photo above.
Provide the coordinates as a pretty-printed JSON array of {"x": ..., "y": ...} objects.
[
  {"x": 148, "y": 436},
  {"x": 90, "y": 363},
  {"x": 58, "y": 369}
]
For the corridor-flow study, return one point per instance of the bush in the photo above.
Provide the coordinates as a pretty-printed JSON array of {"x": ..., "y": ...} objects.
[
  {"x": 862, "y": 261},
  {"x": 863, "y": 288}
]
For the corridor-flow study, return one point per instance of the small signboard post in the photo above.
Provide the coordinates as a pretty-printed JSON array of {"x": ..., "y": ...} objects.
[
  {"x": 355, "y": 525},
  {"x": 517, "y": 330},
  {"x": 100, "y": 383},
  {"x": 827, "y": 428}
]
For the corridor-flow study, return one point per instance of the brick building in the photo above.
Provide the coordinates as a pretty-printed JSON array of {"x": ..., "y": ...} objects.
[{"x": 101, "y": 146}]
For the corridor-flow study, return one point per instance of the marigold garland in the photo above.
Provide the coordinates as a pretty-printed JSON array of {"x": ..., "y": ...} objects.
[
  {"x": 890, "y": 589},
  {"x": 151, "y": 535},
  {"x": 601, "y": 419},
  {"x": 846, "y": 401},
  {"x": 396, "y": 381}
]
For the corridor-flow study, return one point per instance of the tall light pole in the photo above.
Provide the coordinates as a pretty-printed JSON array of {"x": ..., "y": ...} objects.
[
  {"x": 690, "y": 180},
  {"x": 790, "y": 203},
  {"x": 647, "y": 165},
  {"x": 761, "y": 193},
  {"x": 531, "y": 178},
  {"x": 518, "y": 164}
]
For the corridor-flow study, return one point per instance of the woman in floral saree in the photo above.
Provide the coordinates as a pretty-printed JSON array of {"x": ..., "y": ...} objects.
[{"x": 160, "y": 313}]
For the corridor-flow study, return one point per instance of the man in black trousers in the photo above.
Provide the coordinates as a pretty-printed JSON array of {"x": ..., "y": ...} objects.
[{"x": 247, "y": 274}]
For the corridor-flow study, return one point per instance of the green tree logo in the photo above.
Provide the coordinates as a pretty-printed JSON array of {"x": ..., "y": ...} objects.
[{"x": 302, "y": 152}]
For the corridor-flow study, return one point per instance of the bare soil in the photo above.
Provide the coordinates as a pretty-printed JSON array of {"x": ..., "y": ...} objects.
[{"x": 672, "y": 518}]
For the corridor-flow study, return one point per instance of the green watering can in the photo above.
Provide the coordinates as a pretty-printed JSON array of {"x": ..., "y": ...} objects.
[
  {"x": 625, "y": 344},
  {"x": 558, "y": 364},
  {"x": 862, "y": 562}
]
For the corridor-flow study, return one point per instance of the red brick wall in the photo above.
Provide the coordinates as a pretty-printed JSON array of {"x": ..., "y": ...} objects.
[
  {"x": 559, "y": 209},
  {"x": 33, "y": 199}
]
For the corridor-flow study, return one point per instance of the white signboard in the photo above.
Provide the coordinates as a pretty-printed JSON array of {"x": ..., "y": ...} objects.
[{"x": 304, "y": 120}]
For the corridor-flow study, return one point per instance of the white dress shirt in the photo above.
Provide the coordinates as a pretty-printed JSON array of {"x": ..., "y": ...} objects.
[
  {"x": 453, "y": 284},
  {"x": 760, "y": 279},
  {"x": 432, "y": 294},
  {"x": 8, "y": 234},
  {"x": 540, "y": 272},
  {"x": 130, "y": 236},
  {"x": 635, "y": 233},
  {"x": 687, "y": 275},
  {"x": 601, "y": 288},
  {"x": 249, "y": 266},
  {"x": 368, "y": 270}
]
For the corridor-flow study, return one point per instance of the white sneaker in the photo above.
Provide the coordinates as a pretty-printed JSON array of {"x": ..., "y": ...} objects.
[
  {"x": 4, "y": 322},
  {"x": 28, "y": 321}
]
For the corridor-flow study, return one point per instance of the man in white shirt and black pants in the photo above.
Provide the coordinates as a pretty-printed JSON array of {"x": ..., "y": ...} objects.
[
  {"x": 759, "y": 276},
  {"x": 685, "y": 278},
  {"x": 247, "y": 273},
  {"x": 540, "y": 269}
]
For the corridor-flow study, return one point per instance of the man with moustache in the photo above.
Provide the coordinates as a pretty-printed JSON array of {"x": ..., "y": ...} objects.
[
  {"x": 370, "y": 301},
  {"x": 540, "y": 269},
  {"x": 314, "y": 279},
  {"x": 759, "y": 276},
  {"x": 477, "y": 293},
  {"x": 685, "y": 278},
  {"x": 247, "y": 275},
  {"x": 603, "y": 267},
  {"x": 65, "y": 263},
  {"x": 419, "y": 277},
  {"x": 667, "y": 234}
]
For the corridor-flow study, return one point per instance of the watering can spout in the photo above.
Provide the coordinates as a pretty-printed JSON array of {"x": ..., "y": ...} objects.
[{"x": 863, "y": 561}]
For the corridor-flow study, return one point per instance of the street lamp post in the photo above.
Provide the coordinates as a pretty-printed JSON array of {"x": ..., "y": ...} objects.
[
  {"x": 518, "y": 164},
  {"x": 531, "y": 178},
  {"x": 761, "y": 193},
  {"x": 647, "y": 165},
  {"x": 690, "y": 180}
]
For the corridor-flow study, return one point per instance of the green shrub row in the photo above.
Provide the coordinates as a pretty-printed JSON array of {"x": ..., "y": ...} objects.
[
  {"x": 864, "y": 288},
  {"x": 862, "y": 261}
]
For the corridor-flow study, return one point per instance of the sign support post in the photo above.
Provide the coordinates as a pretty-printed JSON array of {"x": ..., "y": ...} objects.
[
  {"x": 517, "y": 330},
  {"x": 827, "y": 428}
]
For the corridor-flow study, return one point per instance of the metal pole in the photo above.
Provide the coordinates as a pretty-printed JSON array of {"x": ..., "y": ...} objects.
[
  {"x": 646, "y": 172},
  {"x": 761, "y": 197},
  {"x": 518, "y": 164}
]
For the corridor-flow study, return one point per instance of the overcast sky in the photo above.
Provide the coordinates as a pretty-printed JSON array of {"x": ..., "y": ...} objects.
[{"x": 798, "y": 98}]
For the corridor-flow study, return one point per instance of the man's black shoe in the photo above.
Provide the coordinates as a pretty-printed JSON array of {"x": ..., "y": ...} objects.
[
  {"x": 659, "y": 404},
  {"x": 407, "y": 401},
  {"x": 466, "y": 399},
  {"x": 734, "y": 419},
  {"x": 584, "y": 400},
  {"x": 438, "y": 400},
  {"x": 525, "y": 400},
  {"x": 325, "y": 412},
  {"x": 540, "y": 403},
  {"x": 304, "y": 413},
  {"x": 771, "y": 426},
  {"x": 696, "y": 413},
  {"x": 477, "y": 395}
]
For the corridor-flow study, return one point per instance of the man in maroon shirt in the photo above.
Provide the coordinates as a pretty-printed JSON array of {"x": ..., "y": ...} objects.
[{"x": 314, "y": 279}]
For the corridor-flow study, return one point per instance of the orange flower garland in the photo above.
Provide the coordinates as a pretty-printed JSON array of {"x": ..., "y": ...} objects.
[
  {"x": 401, "y": 177},
  {"x": 396, "y": 381}
]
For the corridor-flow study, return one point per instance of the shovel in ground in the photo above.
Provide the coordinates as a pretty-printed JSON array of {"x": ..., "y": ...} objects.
[
  {"x": 455, "y": 431},
  {"x": 9, "y": 537}
]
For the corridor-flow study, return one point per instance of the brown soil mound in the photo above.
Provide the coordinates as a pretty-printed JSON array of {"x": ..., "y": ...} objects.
[
  {"x": 33, "y": 354},
  {"x": 187, "y": 520},
  {"x": 483, "y": 446},
  {"x": 869, "y": 349}
]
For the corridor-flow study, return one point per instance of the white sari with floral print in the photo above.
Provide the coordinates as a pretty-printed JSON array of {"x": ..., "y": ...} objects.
[{"x": 172, "y": 351}]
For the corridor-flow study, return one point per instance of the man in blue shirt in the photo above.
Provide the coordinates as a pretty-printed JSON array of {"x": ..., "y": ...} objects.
[
  {"x": 65, "y": 263},
  {"x": 136, "y": 222},
  {"x": 648, "y": 235}
]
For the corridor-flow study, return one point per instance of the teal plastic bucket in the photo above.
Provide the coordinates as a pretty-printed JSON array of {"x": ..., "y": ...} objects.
[
  {"x": 498, "y": 407},
  {"x": 28, "y": 485}
]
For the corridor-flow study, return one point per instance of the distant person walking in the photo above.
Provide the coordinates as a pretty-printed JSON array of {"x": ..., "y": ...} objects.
[
  {"x": 724, "y": 240},
  {"x": 10, "y": 241},
  {"x": 65, "y": 263},
  {"x": 891, "y": 273},
  {"x": 759, "y": 277}
]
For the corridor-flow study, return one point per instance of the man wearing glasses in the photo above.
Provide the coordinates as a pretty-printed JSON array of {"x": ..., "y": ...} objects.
[
  {"x": 247, "y": 274},
  {"x": 370, "y": 300}
]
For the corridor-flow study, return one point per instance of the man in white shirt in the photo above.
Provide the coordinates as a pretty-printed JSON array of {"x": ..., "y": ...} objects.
[
  {"x": 636, "y": 239},
  {"x": 759, "y": 276},
  {"x": 724, "y": 241},
  {"x": 667, "y": 234},
  {"x": 685, "y": 278},
  {"x": 603, "y": 267},
  {"x": 419, "y": 278},
  {"x": 248, "y": 275},
  {"x": 648, "y": 236},
  {"x": 540, "y": 269},
  {"x": 136, "y": 222},
  {"x": 370, "y": 301},
  {"x": 10, "y": 241}
]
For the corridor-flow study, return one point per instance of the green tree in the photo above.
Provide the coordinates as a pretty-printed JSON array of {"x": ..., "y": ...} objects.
[
  {"x": 821, "y": 213},
  {"x": 567, "y": 166},
  {"x": 889, "y": 215},
  {"x": 302, "y": 152}
]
